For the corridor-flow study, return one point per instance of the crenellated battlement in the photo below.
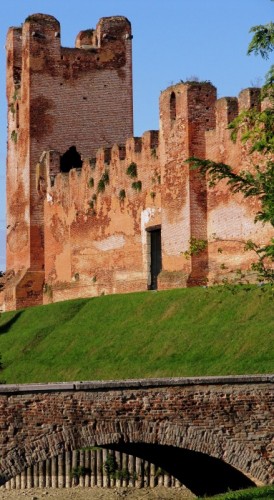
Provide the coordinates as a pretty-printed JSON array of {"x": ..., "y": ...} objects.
[
  {"x": 93, "y": 209},
  {"x": 194, "y": 101},
  {"x": 132, "y": 168},
  {"x": 106, "y": 46},
  {"x": 118, "y": 157}
]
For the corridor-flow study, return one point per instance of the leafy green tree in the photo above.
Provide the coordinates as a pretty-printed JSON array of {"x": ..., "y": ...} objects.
[{"x": 257, "y": 129}]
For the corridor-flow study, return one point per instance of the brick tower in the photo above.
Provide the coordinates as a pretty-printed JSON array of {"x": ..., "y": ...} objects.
[{"x": 74, "y": 100}]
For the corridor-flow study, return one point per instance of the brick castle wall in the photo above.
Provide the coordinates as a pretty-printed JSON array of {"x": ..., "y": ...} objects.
[
  {"x": 84, "y": 231},
  {"x": 99, "y": 241}
]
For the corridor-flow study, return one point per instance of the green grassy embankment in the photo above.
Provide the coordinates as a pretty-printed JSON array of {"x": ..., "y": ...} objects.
[
  {"x": 186, "y": 332},
  {"x": 264, "y": 493}
]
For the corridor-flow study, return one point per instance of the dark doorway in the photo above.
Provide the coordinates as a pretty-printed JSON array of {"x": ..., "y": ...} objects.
[{"x": 155, "y": 256}]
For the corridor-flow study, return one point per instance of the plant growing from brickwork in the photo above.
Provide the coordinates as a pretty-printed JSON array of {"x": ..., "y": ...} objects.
[
  {"x": 111, "y": 466},
  {"x": 192, "y": 80},
  {"x": 137, "y": 186},
  {"x": 196, "y": 246},
  {"x": 15, "y": 97},
  {"x": 105, "y": 177},
  {"x": 101, "y": 186},
  {"x": 113, "y": 471},
  {"x": 154, "y": 153},
  {"x": 126, "y": 474},
  {"x": 160, "y": 472},
  {"x": 92, "y": 163},
  {"x": 122, "y": 194},
  {"x": 93, "y": 200},
  {"x": 91, "y": 182},
  {"x": 12, "y": 108},
  {"x": 78, "y": 471},
  {"x": 131, "y": 170},
  {"x": 156, "y": 179},
  {"x": 152, "y": 195},
  {"x": 256, "y": 129},
  {"x": 223, "y": 266},
  {"x": 264, "y": 254},
  {"x": 103, "y": 182},
  {"x": 14, "y": 136},
  {"x": 91, "y": 205}
]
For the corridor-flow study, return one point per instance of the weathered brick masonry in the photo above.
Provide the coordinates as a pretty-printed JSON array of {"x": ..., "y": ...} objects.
[
  {"x": 226, "y": 418},
  {"x": 92, "y": 209}
]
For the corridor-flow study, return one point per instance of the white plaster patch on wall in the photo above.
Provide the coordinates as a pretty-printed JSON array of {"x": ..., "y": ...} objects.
[
  {"x": 24, "y": 173},
  {"x": 234, "y": 223},
  {"x": 63, "y": 272},
  {"x": 26, "y": 215},
  {"x": 126, "y": 275},
  {"x": 176, "y": 235},
  {"x": 110, "y": 243},
  {"x": 145, "y": 218}
]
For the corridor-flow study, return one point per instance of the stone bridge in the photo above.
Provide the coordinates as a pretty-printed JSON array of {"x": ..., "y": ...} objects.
[{"x": 211, "y": 433}]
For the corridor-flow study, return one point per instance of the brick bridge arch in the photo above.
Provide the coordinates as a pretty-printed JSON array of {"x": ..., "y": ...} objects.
[{"x": 198, "y": 429}]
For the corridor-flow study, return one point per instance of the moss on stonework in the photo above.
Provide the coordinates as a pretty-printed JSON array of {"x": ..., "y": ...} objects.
[
  {"x": 122, "y": 195},
  {"x": 137, "y": 186},
  {"x": 14, "y": 136},
  {"x": 131, "y": 170}
]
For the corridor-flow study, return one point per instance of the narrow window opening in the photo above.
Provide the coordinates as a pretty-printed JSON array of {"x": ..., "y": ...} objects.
[
  {"x": 172, "y": 106},
  {"x": 70, "y": 159},
  {"x": 17, "y": 115},
  {"x": 155, "y": 256}
]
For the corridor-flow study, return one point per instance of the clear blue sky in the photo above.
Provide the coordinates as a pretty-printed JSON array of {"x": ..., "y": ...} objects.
[{"x": 173, "y": 40}]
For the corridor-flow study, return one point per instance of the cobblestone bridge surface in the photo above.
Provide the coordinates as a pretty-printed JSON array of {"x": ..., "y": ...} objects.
[{"x": 217, "y": 429}]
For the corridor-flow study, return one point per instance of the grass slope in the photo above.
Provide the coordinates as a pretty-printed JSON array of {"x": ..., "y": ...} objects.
[
  {"x": 184, "y": 332},
  {"x": 263, "y": 493}
]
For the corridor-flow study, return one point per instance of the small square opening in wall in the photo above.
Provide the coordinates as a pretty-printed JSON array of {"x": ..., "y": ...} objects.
[{"x": 70, "y": 159}]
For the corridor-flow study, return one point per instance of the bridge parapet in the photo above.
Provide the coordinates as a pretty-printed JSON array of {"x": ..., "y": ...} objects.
[{"x": 97, "y": 385}]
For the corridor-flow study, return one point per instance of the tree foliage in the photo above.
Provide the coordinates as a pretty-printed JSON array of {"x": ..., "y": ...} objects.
[
  {"x": 256, "y": 128},
  {"x": 263, "y": 40}
]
